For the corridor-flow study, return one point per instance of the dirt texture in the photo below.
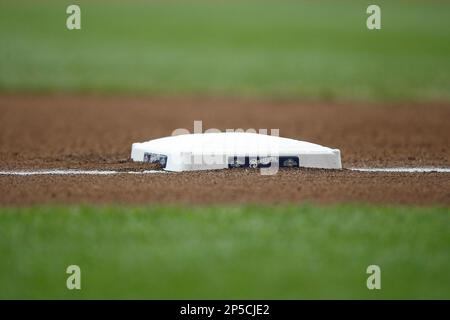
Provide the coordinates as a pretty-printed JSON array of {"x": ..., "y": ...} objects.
[{"x": 96, "y": 132}]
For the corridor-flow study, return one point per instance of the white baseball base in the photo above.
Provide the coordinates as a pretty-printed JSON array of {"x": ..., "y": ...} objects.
[{"x": 209, "y": 151}]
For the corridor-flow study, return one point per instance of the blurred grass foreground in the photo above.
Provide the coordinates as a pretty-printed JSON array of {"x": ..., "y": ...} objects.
[{"x": 225, "y": 252}]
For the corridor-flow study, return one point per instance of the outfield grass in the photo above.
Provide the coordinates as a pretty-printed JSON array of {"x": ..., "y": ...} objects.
[
  {"x": 225, "y": 252},
  {"x": 289, "y": 49}
]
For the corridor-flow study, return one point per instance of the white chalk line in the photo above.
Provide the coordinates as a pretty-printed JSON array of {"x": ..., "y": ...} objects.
[
  {"x": 74, "y": 172},
  {"x": 403, "y": 170},
  {"x": 115, "y": 172}
]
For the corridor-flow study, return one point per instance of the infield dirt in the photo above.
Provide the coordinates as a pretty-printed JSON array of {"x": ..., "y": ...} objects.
[{"x": 96, "y": 132}]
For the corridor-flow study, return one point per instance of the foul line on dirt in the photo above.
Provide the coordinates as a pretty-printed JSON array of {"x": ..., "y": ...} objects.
[
  {"x": 74, "y": 172},
  {"x": 402, "y": 170},
  {"x": 114, "y": 172}
]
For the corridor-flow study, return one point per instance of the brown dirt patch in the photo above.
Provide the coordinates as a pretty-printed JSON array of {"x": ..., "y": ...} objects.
[
  {"x": 97, "y": 132},
  {"x": 230, "y": 186}
]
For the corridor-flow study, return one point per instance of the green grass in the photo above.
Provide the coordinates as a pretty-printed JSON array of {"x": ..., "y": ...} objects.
[
  {"x": 225, "y": 252},
  {"x": 277, "y": 49}
]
